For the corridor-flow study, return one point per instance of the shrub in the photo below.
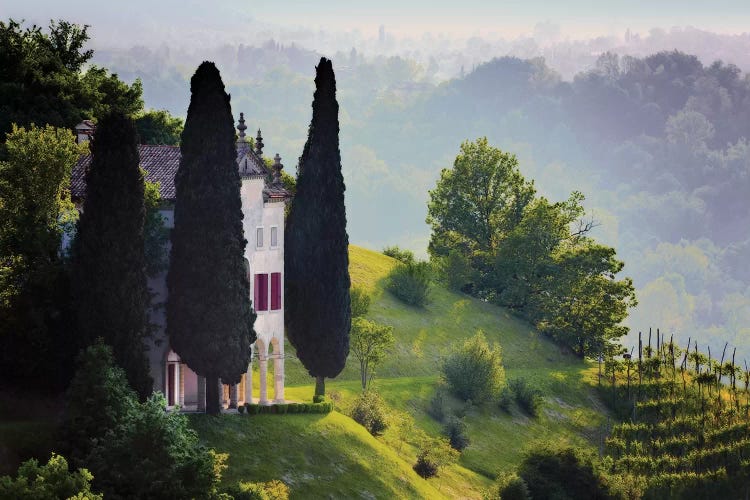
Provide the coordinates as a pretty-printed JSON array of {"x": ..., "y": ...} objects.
[
  {"x": 554, "y": 470},
  {"x": 272, "y": 490},
  {"x": 133, "y": 450},
  {"x": 369, "y": 410},
  {"x": 456, "y": 432},
  {"x": 434, "y": 454},
  {"x": 505, "y": 399},
  {"x": 50, "y": 481},
  {"x": 510, "y": 487},
  {"x": 528, "y": 398},
  {"x": 405, "y": 256},
  {"x": 360, "y": 301},
  {"x": 410, "y": 283},
  {"x": 436, "y": 407},
  {"x": 474, "y": 370},
  {"x": 241, "y": 409},
  {"x": 318, "y": 398}
]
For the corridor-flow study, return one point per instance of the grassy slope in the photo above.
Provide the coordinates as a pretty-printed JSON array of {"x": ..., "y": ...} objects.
[
  {"x": 409, "y": 376},
  {"x": 317, "y": 456}
]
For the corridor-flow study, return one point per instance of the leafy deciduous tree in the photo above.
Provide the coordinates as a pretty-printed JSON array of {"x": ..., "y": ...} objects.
[{"x": 369, "y": 342}]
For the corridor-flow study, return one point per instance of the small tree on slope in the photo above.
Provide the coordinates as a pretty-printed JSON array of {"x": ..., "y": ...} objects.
[
  {"x": 318, "y": 307},
  {"x": 108, "y": 286},
  {"x": 209, "y": 318}
]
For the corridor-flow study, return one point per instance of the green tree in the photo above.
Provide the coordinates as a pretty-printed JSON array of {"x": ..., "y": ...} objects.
[
  {"x": 360, "y": 300},
  {"x": 50, "y": 481},
  {"x": 108, "y": 286},
  {"x": 43, "y": 80},
  {"x": 369, "y": 342},
  {"x": 159, "y": 127},
  {"x": 585, "y": 303},
  {"x": 209, "y": 315},
  {"x": 477, "y": 201},
  {"x": 134, "y": 450},
  {"x": 474, "y": 370},
  {"x": 318, "y": 307},
  {"x": 35, "y": 209},
  {"x": 155, "y": 232}
]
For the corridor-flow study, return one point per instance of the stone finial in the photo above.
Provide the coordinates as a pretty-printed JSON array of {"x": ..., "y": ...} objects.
[
  {"x": 277, "y": 166},
  {"x": 259, "y": 144},
  {"x": 242, "y": 127}
]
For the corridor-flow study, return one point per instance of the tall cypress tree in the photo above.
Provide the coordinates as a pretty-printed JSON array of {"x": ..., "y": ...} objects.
[
  {"x": 108, "y": 286},
  {"x": 318, "y": 306},
  {"x": 209, "y": 318}
]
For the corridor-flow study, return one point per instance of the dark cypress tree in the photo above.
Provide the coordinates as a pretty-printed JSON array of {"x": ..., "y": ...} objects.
[
  {"x": 316, "y": 258},
  {"x": 108, "y": 285},
  {"x": 209, "y": 318}
]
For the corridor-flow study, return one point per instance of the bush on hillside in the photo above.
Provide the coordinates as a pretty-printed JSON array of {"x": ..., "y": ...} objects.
[
  {"x": 509, "y": 487},
  {"x": 474, "y": 370},
  {"x": 405, "y": 256},
  {"x": 457, "y": 433},
  {"x": 434, "y": 454},
  {"x": 505, "y": 399},
  {"x": 436, "y": 408},
  {"x": 370, "y": 411},
  {"x": 360, "y": 300},
  {"x": 558, "y": 470},
  {"x": 410, "y": 283},
  {"x": 528, "y": 398},
  {"x": 272, "y": 490},
  {"x": 50, "y": 481}
]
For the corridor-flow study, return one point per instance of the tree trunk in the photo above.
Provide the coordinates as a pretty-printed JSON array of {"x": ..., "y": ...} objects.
[
  {"x": 363, "y": 375},
  {"x": 320, "y": 386},
  {"x": 213, "y": 404}
]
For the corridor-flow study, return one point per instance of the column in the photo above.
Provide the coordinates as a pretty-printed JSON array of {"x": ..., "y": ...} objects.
[
  {"x": 182, "y": 385},
  {"x": 201, "y": 393},
  {"x": 263, "y": 367},
  {"x": 176, "y": 387},
  {"x": 233, "y": 395},
  {"x": 278, "y": 378},
  {"x": 249, "y": 384}
]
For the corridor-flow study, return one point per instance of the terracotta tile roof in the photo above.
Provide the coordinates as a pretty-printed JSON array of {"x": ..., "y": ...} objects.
[{"x": 162, "y": 162}]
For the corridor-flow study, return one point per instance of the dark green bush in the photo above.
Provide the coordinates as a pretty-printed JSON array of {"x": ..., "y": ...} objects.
[
  {"x": 505, "y": 399},
  {"x": 528, "y": 398},
  {"x": 405, "y": 256},
  {"x": 474, "y": 370},
  {"x": 370, "y": 411},
  {"x": 457, "y": 433},
  {"x": 436, "y": 407},
  {"x": 410, "y": 283},
  {"x": 510, "y": 487},
  {"x": 554, "y": 470},
  {"x": 241, "y": 409},
  {"x": 434, "y": 454},
  {"x": 318, "y": 398}
]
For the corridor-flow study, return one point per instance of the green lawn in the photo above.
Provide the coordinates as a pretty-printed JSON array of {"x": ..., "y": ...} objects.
[
  {"x": 317, "y": 456},
  {"x": 408, "y": 378}
]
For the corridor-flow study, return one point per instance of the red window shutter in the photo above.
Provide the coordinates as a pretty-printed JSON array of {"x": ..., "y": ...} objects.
[
  {"x": 275, "y": 291},
  {"x": 261, "y": 292}
]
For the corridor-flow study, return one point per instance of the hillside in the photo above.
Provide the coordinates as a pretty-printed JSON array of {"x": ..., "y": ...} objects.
[{"x": 409, "y": 377}]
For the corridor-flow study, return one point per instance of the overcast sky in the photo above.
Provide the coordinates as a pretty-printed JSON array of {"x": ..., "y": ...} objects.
[{"x": 180, "y": 21}]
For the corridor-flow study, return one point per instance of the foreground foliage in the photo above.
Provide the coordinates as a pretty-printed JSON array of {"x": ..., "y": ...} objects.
[
  {"x": 134, "y": 450},
  {"x": 51, "y": 481}
]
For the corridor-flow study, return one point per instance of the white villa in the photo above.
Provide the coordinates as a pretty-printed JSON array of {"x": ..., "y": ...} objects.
[{"x": 263, "y": 202}]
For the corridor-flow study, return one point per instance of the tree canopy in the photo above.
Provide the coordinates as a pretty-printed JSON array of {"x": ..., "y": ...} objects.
[
  {"x": 45, "y": 81},
  {"x": 209, "y": 315},
  {"x": 519, "y": 250},
  {"x": 316, "y": 259}
]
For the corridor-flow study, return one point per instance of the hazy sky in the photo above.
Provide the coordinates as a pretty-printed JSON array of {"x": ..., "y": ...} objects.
[{"x": 122, "y": 23}]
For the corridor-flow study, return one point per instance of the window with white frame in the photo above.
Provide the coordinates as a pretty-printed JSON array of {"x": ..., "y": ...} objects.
[
  {"x": 259, "y": 237},
  {"x": 274, "y": 237}
]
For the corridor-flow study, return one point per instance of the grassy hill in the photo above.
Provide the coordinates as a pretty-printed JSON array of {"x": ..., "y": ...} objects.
[{"x": 410, "y": 375}]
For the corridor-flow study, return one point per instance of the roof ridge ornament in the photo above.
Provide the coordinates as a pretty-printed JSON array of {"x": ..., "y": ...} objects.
[
  {"x": 277, "y": 167},
  {"x": 259, "y": 144}
]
